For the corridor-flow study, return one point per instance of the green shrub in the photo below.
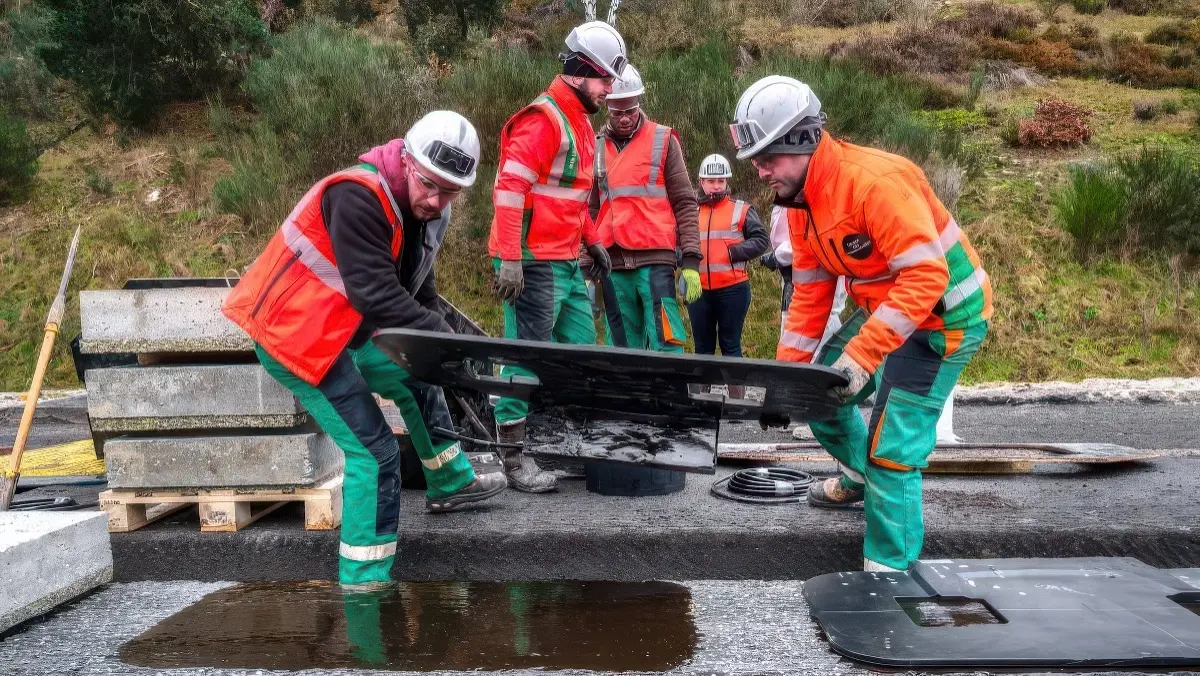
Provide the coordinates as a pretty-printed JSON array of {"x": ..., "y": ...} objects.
[
  {"x": 1093, "y": 208},
  {"x": 1175, "y": 33},
  {"x": 1170, "y": 106},
  {"x": 1163, "y": 199},
  {"x": 442, "y": 26},
  {"x": 1149, "y": 201},
  {"x": 25, "y": 83},
  {"x": 128, "y": 58},
  {"x": 1049, "y": 8},
  {"x": 346, "y": 11},
  {"x": 325, "y": 95},
  {"x": 18, "y": 159},
  {"x": 1092, "y": 7}
]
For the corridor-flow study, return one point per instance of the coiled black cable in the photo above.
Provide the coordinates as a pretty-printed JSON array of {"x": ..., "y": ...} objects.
[{"x": 764, "y": 486}]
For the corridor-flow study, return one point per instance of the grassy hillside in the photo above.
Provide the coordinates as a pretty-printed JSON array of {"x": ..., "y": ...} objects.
[{"x": 145, "y": 198}]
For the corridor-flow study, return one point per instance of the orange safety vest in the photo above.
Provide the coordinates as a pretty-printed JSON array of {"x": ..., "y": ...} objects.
[
  {"x": 722, "y": 226},
  {"x": 555, "y": 208},
  {"x": 635, "y": 212},
  {"x": 292, "y": 300}
]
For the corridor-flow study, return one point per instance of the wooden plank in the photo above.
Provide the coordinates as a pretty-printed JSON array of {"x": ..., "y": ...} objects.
[
  {"x": 125, "y": 518},
  {"x": 198, "y": 495}
]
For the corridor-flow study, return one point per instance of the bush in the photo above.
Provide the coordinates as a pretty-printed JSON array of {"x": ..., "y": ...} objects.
[
  {"x": 1145, "y": 65},
  {"x": 1093, "y": 208},
  {"x": 1091, "y": 7},
  {"x": 346, "y": 11},
  {"x": 913, "y": 50},
  {"x": 995, "y": 20},
  {"x": 1056, "y": 123},
  {"x": 324, "y": 96},
  {"x": 1175, "y": 34},
  {"x": 1145, "y": 110},
  {"x": 1149, "y": 200},
  {"x": 18, "y": 159},
  {"x": 129, "y": 58},
  {"x": 1170, "y": 106},
  {"x": 442, "y": 26},
  {"x": 25, "y": 84},
  {"x": 1049, "y": 8}
]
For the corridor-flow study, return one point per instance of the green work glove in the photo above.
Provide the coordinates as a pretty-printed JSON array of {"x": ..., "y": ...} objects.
[{"x": 692, "y": 288}]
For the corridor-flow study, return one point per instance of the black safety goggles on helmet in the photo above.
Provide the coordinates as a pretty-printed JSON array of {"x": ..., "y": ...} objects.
[
  {"x": 450, "y": 159},
  {"x": 576, "y": 64}
]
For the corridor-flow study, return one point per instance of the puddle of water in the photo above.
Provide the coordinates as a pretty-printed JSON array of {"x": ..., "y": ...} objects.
[
  {"x": 947, "y": 612},
  {"x": 428, "y": 626}
]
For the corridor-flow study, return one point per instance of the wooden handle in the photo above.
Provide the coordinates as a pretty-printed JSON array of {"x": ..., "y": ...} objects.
[{"x": 35, "y": 390}]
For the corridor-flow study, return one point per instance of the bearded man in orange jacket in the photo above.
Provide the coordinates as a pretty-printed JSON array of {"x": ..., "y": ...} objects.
[
  {"x": 541, "y": 220},
  {"x": 871, "y": 217}
]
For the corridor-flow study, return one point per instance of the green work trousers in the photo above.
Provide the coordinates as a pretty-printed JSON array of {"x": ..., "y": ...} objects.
[
  {"x": 553, "y": 308},
  {"x": 345, "y": 408},
  {"x": 641, "y": 311},
  {"x": 887, "y": 455}
]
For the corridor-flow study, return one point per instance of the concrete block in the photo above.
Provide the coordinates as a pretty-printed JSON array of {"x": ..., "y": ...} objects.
[
  {"x": 141, "y": 399},
  {"x": 49, "y": 558},
  {"x": 158, "y": 320},
  {"x": 221, "y": 462}
]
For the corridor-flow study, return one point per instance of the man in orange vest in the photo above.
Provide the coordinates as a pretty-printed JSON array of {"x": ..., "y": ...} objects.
[
  {"x": 732, "y": 235},
  {"x": 645, "y": 211},
  {"x": 541, "y": 219},
  {"x": 356, "y": 255},
  {"x": 871, "y": 217}
]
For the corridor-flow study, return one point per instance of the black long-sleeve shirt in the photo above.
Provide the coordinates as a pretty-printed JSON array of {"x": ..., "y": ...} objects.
[{"x": 377, "y": 284}]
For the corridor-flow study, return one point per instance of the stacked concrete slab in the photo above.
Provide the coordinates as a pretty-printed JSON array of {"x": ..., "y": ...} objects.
[{"x": 198, "y": 411}]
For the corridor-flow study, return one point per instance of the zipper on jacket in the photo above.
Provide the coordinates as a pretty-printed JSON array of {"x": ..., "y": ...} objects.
[
  {"x": 822, "y": 257},
  {"x": 271, "y": 284},
  {"x": 839, "y": 257}
]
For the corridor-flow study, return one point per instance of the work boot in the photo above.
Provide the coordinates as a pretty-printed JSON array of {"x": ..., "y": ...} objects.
[
  {"x": 523, "y": 473},
  {"x": 483, "y": 487},
  {"x": 831, "y": 494}
]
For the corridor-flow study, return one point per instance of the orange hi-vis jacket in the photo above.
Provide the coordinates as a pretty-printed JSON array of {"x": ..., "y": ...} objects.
[
  {"x": 544, "y": 180},
  {"x": 871, "y": 217},
  {"x": 292, "y": 300},
  {"x": 722, "y": 226},
  {"x": 635, "y": 212}
]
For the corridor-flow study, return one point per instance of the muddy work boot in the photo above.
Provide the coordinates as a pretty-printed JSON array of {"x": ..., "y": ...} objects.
[
  {"x": 523, "y": 473},
  {"x": 483, "y": 487},
  {"x": 831, "y": 494}
]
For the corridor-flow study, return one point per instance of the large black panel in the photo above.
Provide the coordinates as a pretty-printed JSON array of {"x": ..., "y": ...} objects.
[{"x": 1028, "y": 613}]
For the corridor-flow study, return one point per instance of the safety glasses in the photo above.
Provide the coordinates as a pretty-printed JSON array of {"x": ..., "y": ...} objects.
[
  {"x": 430, "y": 186},
  {"x": 628, "y": 112}
]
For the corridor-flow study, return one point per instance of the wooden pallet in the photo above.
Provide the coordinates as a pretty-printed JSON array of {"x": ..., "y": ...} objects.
[{"x": 222, "y": 509}]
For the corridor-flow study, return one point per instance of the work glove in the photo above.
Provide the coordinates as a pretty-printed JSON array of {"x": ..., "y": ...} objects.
[
  {"x": 510, "y": 281},
  {"x": 691, "y": 285},
  {"x": 856, "y": 374},
  {"x": 770, "y": 261},
  {"x": 601, "y": 262}
]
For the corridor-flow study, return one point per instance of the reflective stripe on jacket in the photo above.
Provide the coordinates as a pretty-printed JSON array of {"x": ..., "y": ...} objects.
[
  {"x": 722, "y": 226},
  {"x": 872, "y": 217},
  {"x": 292, "y": 300},
  {"x": 544, "y": 180},
  {"x": 635, "y": 211}
]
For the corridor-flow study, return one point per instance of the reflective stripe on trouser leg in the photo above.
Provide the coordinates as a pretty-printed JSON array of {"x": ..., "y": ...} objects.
[
  {"x": 665, "y": 330},
  {"x": 447, "y": 470},
  {"x": 917, "y": 379},
  {"x": 845, "y": 436},
  {"x": 531, "y": 317},
  {"x": 344, "y": 408}
]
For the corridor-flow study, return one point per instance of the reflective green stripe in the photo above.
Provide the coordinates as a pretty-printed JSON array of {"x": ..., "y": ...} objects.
[{"x": 570, "y": 167}]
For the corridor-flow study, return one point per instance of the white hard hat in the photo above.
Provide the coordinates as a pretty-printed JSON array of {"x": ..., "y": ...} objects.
[
  {"x": 600, "y": 44},
  {"x": 629, "y": 86},
  {"x": 715, "y": 166},
  {"x": 768, "y": 110},
  {"x": 446, "y": 144}
]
